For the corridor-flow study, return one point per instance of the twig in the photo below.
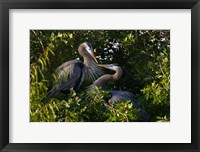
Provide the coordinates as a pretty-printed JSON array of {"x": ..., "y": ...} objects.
[
  {"x": 164, "y": 75},
  {"x": 161, "y": 69},
  {"x": 40, "y": 41}
]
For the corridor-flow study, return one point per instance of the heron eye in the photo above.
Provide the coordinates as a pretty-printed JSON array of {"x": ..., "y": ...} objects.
[{"x": 90, "y": 46}]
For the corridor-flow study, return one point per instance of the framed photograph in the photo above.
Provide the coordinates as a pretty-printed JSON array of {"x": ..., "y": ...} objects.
[{"x": 99, "y": 75}]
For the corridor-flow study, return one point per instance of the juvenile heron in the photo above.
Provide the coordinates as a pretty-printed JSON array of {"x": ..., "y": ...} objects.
[
  {"x": 72, "y": 73},
  {"x": 116, "y": 95}
]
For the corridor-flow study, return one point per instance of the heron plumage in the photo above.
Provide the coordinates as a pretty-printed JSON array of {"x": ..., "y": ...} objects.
[
  {"x": 116, "y": 95},
  {"x": 71, "y": 74}
]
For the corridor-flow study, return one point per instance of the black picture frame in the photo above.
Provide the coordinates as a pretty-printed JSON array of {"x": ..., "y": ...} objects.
[{"x": 5, "y": 5}]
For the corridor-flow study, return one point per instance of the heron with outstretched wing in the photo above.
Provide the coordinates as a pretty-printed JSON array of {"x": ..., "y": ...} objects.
[{"x": 71, "y": 74}]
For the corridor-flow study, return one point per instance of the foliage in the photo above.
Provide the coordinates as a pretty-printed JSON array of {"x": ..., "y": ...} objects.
[{"x": 144, "y": 56}]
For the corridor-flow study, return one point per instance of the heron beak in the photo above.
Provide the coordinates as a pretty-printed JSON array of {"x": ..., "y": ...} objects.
[
  {"x": 103, "y": 65},
  {"x": 93, "y": 55}
]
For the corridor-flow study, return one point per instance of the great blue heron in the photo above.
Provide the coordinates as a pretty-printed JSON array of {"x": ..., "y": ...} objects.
[
  {"x": 72, "y": 73},
  {"x": 116, "y": 95}
]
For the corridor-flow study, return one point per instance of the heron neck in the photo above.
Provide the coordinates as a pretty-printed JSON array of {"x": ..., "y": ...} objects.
[
  {"x": 88, "y": 61},
  {"x": 100, "y": 82},
  {"x": 117, "y": 75}
]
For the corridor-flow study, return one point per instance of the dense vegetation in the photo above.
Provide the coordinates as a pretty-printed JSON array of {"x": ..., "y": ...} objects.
[{"x": 144, "y": 56}]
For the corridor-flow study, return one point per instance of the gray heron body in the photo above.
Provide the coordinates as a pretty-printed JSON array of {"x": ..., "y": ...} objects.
[
  {"x": 71, "y": 74},
  {"x": 116, "y": 95}
]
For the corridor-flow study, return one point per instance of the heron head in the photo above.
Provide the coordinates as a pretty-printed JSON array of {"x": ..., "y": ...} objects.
[
  {"x": 86, "y": 49},
  {"x": 118, "y": 70}
]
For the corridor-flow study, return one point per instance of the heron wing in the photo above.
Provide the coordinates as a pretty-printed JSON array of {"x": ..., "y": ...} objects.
[
  {"x": 118, "y": 96},
  {"x": 67, "y": 68},
  {"x": 69, "y": 74},
  {"x": 121, "y": 95}
]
